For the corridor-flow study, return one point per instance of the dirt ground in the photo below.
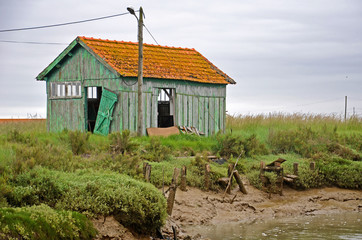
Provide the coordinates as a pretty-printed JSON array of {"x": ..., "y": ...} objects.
[{"x": 196, "y": 207}]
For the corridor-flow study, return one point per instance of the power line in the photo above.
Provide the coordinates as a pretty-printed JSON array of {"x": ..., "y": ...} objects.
[
  {"x": 38, "y": 43},
  {"x": 62, "y": 24}
]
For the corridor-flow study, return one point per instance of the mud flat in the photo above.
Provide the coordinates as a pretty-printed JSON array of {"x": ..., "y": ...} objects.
[{"x": 196, "y": 207}]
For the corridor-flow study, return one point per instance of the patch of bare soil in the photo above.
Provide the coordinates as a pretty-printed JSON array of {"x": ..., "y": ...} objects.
[{"x": 109, "y": 228}]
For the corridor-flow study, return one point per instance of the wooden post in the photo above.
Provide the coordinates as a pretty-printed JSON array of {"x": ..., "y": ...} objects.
[
  {"x": 295, "y": 168},
  {"x": 172, "y": 194},
  {"x": 140, "y": 73},
  {"x": 312, "y": 166},
  {"x": 240, "y": 183},
  {"x": 171, "y": 199},
  {"x": 207, "y": 177},
  {"x": 230, "y": 172},
  {"x": 144, "y": 168},
  {"x": 183, "y": 179},
  {"x": 148, "y": 173}
]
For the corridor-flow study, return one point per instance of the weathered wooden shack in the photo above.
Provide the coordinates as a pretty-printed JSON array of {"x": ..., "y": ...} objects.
[{"x": 180, "y": 87}]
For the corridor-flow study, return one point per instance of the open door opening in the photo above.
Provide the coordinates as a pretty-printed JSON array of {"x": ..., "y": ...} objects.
[
  {"x": 94, "y": 95},
  {"x": 166, "y": 107}
]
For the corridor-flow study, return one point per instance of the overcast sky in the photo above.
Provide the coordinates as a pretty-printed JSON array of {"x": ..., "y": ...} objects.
[{"x": 285, "y": 55}]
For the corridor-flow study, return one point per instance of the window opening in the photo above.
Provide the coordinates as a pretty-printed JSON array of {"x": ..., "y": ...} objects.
[
  {"x": 65, "y": 90},
  {"x": 166, "y": 107}
]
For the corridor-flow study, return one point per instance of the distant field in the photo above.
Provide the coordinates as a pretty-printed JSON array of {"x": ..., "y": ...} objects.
[{"x": 10, "y": 120}]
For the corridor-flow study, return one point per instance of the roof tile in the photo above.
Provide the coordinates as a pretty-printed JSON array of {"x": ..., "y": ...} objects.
[{"x": 159, "y": 61}]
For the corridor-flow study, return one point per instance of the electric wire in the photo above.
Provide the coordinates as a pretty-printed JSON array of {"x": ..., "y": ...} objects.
[
  {"x": 63, "y": 24},
  {"x": 36, "y": 43}
]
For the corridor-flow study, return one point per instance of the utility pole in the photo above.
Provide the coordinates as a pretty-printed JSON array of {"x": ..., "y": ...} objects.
[
  {"x": 345, "y": 108},
  {"x": 140, "y": 73},
  {"x": 140, "y": 69}
]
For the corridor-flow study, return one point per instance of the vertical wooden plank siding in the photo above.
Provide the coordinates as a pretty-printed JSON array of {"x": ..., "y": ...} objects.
[
  {"x": 207, "y": 132},
  {"x": 195, "y": 112},
  {"x": 125, "y": 110},
  {"x": 185, "y": 110}
]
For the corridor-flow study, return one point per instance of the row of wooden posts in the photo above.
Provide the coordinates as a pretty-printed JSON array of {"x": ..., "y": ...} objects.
[{"x": 183, "y": 184}]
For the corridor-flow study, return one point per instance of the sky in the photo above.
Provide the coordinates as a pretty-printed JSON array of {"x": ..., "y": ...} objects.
[{"x": 287, "y": 56}]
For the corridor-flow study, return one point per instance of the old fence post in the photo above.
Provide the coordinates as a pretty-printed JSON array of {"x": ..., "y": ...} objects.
[
  {"x": 230, "y": 172},
  {"x": 295, "y": 168},
  {"x": 312, "y": 166},
  {"x": 172, "y": 194},
  {"x": 147, "y": 171},
  {"x": 207, "y": 177},
  {"x": 183, "y": 179},
  {"x": 240, "y": 183}
]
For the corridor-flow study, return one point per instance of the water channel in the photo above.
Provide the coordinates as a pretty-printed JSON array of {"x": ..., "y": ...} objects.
[{"x": 347, "y": 226}]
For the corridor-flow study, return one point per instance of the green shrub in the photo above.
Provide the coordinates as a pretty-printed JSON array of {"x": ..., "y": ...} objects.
[
  {"x": 42, "y": 222},
  {"x": 155, "y": 151},
  {"x": 229, "y": 145},
  {"x": 122, "y": 142},
  {"x": 254, "y": 179},
  {"x": 340, "y": 172},
  {"x": 78, "y": 141},
  {"x": 137, "y": 204},
  {"x": 309, "y": 179}
]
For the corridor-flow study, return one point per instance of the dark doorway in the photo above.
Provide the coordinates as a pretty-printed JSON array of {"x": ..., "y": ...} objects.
[
  {"x": 94, "y": 95},
  {"x": 166, "y": 107}
]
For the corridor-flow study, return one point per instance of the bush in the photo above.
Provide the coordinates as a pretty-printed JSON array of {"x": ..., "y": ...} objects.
[
  {"x": 155, "y": 151},
  {"x": 138, "y": 205},
  {"x": 42, "y": 222},
  {"x": 230, "y": 145},
  {"x": 122, "y": 142},
  {"x": 78, "y": 141},
  {"x": 340, "y": 172}
]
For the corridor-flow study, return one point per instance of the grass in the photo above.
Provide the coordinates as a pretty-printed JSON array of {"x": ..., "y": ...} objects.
[{"x": 92, "y": 174}]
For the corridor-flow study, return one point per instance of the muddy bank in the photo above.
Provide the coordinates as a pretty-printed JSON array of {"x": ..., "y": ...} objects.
[{"x": 196, "y": 207}]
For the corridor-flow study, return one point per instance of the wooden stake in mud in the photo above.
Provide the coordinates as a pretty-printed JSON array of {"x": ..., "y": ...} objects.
[
  {"x": 207, "y": 177},
  {"x": 237, "y": 160},
  {"x": 240, "y": 183},
  {"x": 230, "y": 172},
  {"x": 183, "y": 179},
  {"x": 172, "y": 194}
]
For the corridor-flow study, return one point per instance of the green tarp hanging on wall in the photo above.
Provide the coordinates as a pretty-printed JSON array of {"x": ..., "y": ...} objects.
[{"x": 105, "y": 111}]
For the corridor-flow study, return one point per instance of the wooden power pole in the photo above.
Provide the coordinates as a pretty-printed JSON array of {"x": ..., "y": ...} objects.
[
  {"x": 140, "y": 73},
  {"x": 345, "y": 108}
]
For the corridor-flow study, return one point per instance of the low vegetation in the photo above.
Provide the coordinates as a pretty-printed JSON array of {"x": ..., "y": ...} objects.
[{"x": 81, "y": 175}]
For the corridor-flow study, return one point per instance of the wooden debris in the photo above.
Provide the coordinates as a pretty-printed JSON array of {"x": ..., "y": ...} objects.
[
  {"x": 240, "y": 183},
  {"x": 183, "y": 179},
  {"x": 230, "y": 172}
]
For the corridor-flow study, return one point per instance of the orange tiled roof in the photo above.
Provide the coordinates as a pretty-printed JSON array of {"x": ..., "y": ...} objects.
[{"x": 158, "y": 62}]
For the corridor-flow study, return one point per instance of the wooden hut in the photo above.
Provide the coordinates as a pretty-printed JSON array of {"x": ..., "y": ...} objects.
[{"x": 180, "y": 87}]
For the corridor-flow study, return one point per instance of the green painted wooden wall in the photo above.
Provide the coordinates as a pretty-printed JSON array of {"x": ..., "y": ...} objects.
[{"x": 196, "y": 104}]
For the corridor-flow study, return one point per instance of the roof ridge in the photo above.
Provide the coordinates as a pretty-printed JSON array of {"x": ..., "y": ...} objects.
[{"x": 145, "y": 44}]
